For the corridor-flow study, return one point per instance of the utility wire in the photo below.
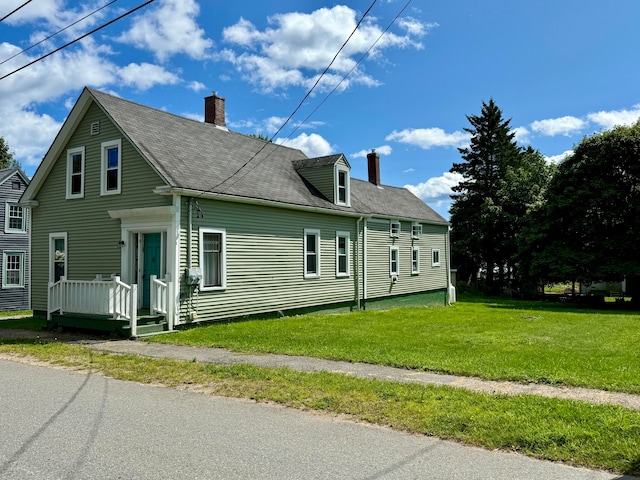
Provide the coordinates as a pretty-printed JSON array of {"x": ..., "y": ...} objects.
[
  {"x": 294, "y": 111},
  {"x": 11, "y": 13},
  {"x": 78, "y": 39},
  {"x": 58, "y": 32}
]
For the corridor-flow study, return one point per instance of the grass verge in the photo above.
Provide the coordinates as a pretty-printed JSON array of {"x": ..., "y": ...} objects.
[
  {"x": 499, "y": 339},
  {"x": 595, "y": 436},
  {"x": 35, "y": 324}
]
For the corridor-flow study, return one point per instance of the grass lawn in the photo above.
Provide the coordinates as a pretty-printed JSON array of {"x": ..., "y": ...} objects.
[{"x": 496, "y": 339}]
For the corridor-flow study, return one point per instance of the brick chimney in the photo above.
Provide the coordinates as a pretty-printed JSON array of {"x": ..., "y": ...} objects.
[
  {"x": 373, "y": 160},
  {"x": 214, "y": 110}
]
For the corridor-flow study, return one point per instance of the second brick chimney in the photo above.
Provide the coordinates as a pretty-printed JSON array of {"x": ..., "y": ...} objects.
[
  {"x": 214, "y": 110},
  {"x": 373, "y": 160}
]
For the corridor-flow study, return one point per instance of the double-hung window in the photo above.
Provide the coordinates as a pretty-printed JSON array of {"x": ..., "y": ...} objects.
[
  {"x": 342, "y": 254},
  {"x": 57, "y": 256},
  {"x": 342, "y": 186},
  {"x": 111, "y": 161},
  {"x": 213, "y": 260},
  {"x": 394, "y": 261},
  {"x": 311, "y": 253},
  {"x": 75, "y": 173},
  {"x": 415, "y": 260},
  {"x": 13, "y": 270},
  {"x": 394, "y": 228},
  {"x": 14, "y": 218},
  {"x": 416, "y": 230},
  {"x": 435, "y": 257}
]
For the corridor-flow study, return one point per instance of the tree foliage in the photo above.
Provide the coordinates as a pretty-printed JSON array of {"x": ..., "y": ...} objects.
[
  {"x": 6, "y": 157},
  {"x": 588, "y": 228},
  {"x": 501, "y": 182}
]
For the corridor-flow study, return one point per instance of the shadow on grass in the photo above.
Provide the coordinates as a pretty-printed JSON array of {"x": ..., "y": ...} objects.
[
  {"x": 35, "y": 324},
  {"x": 632, "y": 469}
]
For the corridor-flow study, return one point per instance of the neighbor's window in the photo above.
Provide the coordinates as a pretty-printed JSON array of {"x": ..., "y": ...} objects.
[
  {"x": 416, "y": 230},
  {"x": 394, "y": 228},
  {"x": 13, "y": 270},
  {"x": 342, "y": 186},
  {"x": 415, "y": 260},
  {"x": 57, "y": 256},
  {"x": 75, "y": 173},
  {"x": 14, "y": 218},
  {"x": 394, "y": 264},
  {"x": 111, "y": 167},
  {"x": 435, "y": 257},
  {"x": 213, "y": 259},
  {"x": 342, "y": 254},
  {"x": 311, "y": 253}
]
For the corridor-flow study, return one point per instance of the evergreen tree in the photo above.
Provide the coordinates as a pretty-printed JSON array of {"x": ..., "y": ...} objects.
[{"x": 6, "y": 157}]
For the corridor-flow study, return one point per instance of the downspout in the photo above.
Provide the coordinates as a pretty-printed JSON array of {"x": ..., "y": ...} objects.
[
  {"x": 189, "y": 233},
  {"x": 357, "y": 269}
]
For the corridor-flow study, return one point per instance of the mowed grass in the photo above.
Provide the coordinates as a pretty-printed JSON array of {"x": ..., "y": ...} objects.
[
  {"x": 596, "y": 436},
  {"x": 493, "y": 339}
]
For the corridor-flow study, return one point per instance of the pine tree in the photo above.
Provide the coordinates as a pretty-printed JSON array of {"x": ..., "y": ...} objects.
[{"x": 6, "y": 157}]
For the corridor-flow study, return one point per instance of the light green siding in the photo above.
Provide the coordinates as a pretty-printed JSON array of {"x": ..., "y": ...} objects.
[
  {"x": 265, "y": 261},
  {"x": 378, "y": 241},
  {"x": 92, "y": 235},
  {"x": 322, "y": 178}
]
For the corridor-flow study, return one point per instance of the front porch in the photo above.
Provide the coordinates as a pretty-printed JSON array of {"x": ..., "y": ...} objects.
[{"x": 110, "y": 306}]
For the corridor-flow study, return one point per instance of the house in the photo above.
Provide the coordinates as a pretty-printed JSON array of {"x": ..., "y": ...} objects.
[
  {"x": 14, "y": 241},
  {"x": 138, "y": 211}
]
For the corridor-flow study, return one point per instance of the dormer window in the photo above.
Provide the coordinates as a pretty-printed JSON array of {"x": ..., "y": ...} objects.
[{"x": 342, "y": 194}]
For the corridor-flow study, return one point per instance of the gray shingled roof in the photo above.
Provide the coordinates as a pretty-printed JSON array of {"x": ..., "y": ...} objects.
[{"x": 200, "y": 156}]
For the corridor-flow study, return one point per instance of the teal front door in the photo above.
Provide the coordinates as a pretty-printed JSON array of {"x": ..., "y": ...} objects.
[{"x": 152, "y": 249}]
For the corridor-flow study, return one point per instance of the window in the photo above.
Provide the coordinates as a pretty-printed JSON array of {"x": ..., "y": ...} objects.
[
  {"x": 435, "y": 257},
  {"x": 75, "y": 173},
  {"x": 342, "y": 254},
  {"x": 13, "y": 270},
  {"x": 213, "y": 260},
  {"x": 415, "y": 260},
  {"x": 342, "y": 186},
  {"x": 394, "y": 228},
  {"x": 394, "y": 264},
  {"x": 416, "y": 230},
  {"x": 57, "y": 256},
  {"x": 14, "y": 218},
  {"x": 16, "y": 185},
  {"x": 111, "y": 167},
  {"x": 311, "y": 253}
]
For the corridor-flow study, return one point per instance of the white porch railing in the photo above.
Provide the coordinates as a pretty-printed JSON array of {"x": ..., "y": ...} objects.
[
  {"x": 99, "y": 297},
  {"x": 160, "y": 298}
]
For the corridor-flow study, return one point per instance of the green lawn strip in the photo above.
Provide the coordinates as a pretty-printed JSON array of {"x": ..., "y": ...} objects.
[
  {"x": 29, "y": 322},
  {"x": 498, "y": 339},
  {"x": 595, "y": 436}
]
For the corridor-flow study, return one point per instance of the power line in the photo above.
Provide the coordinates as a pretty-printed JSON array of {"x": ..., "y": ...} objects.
[
  {"x": 78, "y": 39},
  {"x": 58, "y": 32},
  {"x": 11, "y": 13},
  {"x": 296, "y": 109}
]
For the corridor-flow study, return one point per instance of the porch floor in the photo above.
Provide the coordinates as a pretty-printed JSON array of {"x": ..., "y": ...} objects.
[{"x": 147, "y": 324}]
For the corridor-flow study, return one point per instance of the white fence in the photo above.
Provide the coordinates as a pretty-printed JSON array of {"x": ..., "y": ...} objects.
[{"x": 160, "y": 298}]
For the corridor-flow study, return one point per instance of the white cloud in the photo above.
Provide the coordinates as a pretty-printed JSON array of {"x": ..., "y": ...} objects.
[
  {"x": 196, "y": 86},
  {"x": 382, "y": 150},
  {"x": 608, "y": 120},
  {"x": 312, "y": 145},
  {"x": 409, "y": 170},
  {"x": 145, "y": 75},
  {"x": 555, "y": 159},
  {"x": 436, "y": 188},
  {"x": 522, "y": 135},
  {"x": 427, "y": 138},
  {"x": 169, "y": 29},
  {"x": 566, "y": 126},
  {"x": 296, "y": 47}
]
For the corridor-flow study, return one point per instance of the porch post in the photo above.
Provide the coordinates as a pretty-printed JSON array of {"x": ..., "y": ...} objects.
[
  {"x": 152, "y": 294},
  {"x": 133, "y": 301},
  {"x": 63, "y": 282}
]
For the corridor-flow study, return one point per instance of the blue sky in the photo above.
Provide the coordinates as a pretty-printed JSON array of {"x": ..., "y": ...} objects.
[{"x": 559, "y": 69}]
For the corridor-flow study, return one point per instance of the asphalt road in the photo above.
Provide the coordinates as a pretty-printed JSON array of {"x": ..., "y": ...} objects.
[{"x": 57, "y": 424}]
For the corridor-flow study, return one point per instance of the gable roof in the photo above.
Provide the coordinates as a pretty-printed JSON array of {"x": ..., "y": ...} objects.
[
  {"x": 7, "y": 173},
  {"x": 203, "y": 158}
]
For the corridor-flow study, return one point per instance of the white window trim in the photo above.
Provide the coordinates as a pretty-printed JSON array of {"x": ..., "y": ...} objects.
[
  {"x": 52, "y": 238},
  {"x": 391, "y": 224},
  {"x": 316, "y": 232},
  {"x": 414, "y": 250},
  {"x": 70, "y": 153},
  {"x": 22, "y": 256},
  {"x": 434, "y": 263},
  {"x": 223, "y": 258},
  {"x": 104, "y": 146},
  {"x": 391, "y": 271},
  {"x": 7, "y": 219},
  {"x": 348, "y": 250},
  {"x": 337, "y": 170},
  {"x": 416, "y": 226}
]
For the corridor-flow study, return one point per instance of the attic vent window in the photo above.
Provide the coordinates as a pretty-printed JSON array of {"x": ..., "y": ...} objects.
[
  {"x": 15, "y": 185},
  {"x": 95, "y": 128}
]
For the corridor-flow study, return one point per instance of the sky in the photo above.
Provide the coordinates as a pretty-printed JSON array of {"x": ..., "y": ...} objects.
[{"x": 404, "y": 82}]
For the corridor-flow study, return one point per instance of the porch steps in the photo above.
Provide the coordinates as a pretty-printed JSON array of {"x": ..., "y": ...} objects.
[{"x": 146, "y": 324}]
